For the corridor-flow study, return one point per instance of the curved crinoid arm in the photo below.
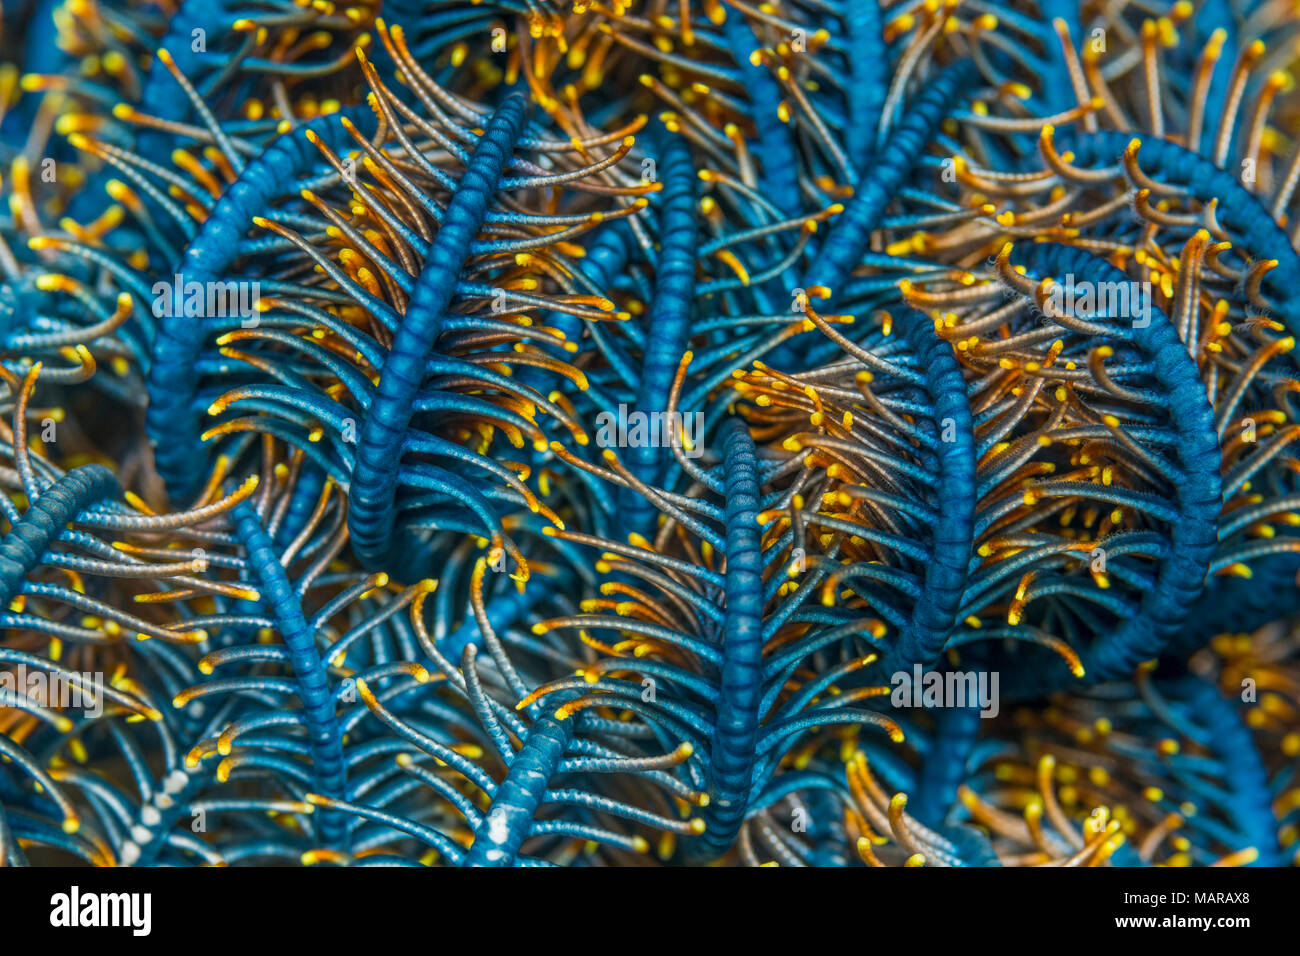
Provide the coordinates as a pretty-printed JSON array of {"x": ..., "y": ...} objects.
[
  {"x": 1106, "y": 359},
  {"x": 1173, "y": 458},
  {"x": 853, "y": 800},
  {"x": 465, "y": 769},
  {"x": 281, "y": 636},
  {"x": 1165, "y": 768},
  {"x": 1218, "y": 170},
  {"x": 1213, "y": 191},
  {"x": 284, "y": 586},
  {"x": 286, "y": 166},
  {"x": 668, "y": 322},
  {"x": 715, "y": 628},
  {"x": 1233, "y": 211},
  {"x": 686, "y": 346},
  {"x": 1192, "y": 124},
  {"x": 173, "y": 230},
  {"x": 128, "y": 88},
  {"x": 1260, "y": 670},
  {"x": 709, "y": 303},
  {"x": 436, "y": 278},
  {"x": 66, "y": 590},
  {"x": 62, "y": 529},
  {"x": 885, "y": 434}
]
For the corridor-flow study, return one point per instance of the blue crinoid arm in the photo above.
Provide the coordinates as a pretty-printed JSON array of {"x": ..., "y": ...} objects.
[
  {"x": 775, "y": 145},
  {"x": 372, "y": 516},
  {"x": 59, "y": 532},
  {"x": 314, "y": 689},
  {"x": 1249, "y": 808},
  {"x": 430, "y": 392},
  {"x": 23, "y": 548},
  {"x": 51, "y": 534},
  {"x": 1240, "y": 212},
  {"x": 951, "y": 536},
  {"x": 669, "y": 327},
  {"x": 945, "y": 765},
  {"x": 868, "y": 80},
  {"x": 740, "y": 623},
  {"x": 1197, "y": 495},
  {"x": 173, "y": 420},
  {"x": 893, "y": 449},
  {"x": 847, "y": 241},
  {"x": 740, "y": 680},
  {"x": 520, "y": 795},
  {"x": 542, "y": 771},
  {"x": 286, "y": 734}
]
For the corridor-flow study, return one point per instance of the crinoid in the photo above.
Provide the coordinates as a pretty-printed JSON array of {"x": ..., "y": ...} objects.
[
  {"x": 719, "y": 644},
  {"x": 436, "y": 278},
  {"x": 512, "y": 783},
  {"x": 1164, "y": 770},
  {"x": 1183, "y": 262},
  {"x": 1260, "y": 670},
  {"x": 65, "y": 592},
  {"x": 888, "y": 805},
  {"x": 514, "y": 433}
]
